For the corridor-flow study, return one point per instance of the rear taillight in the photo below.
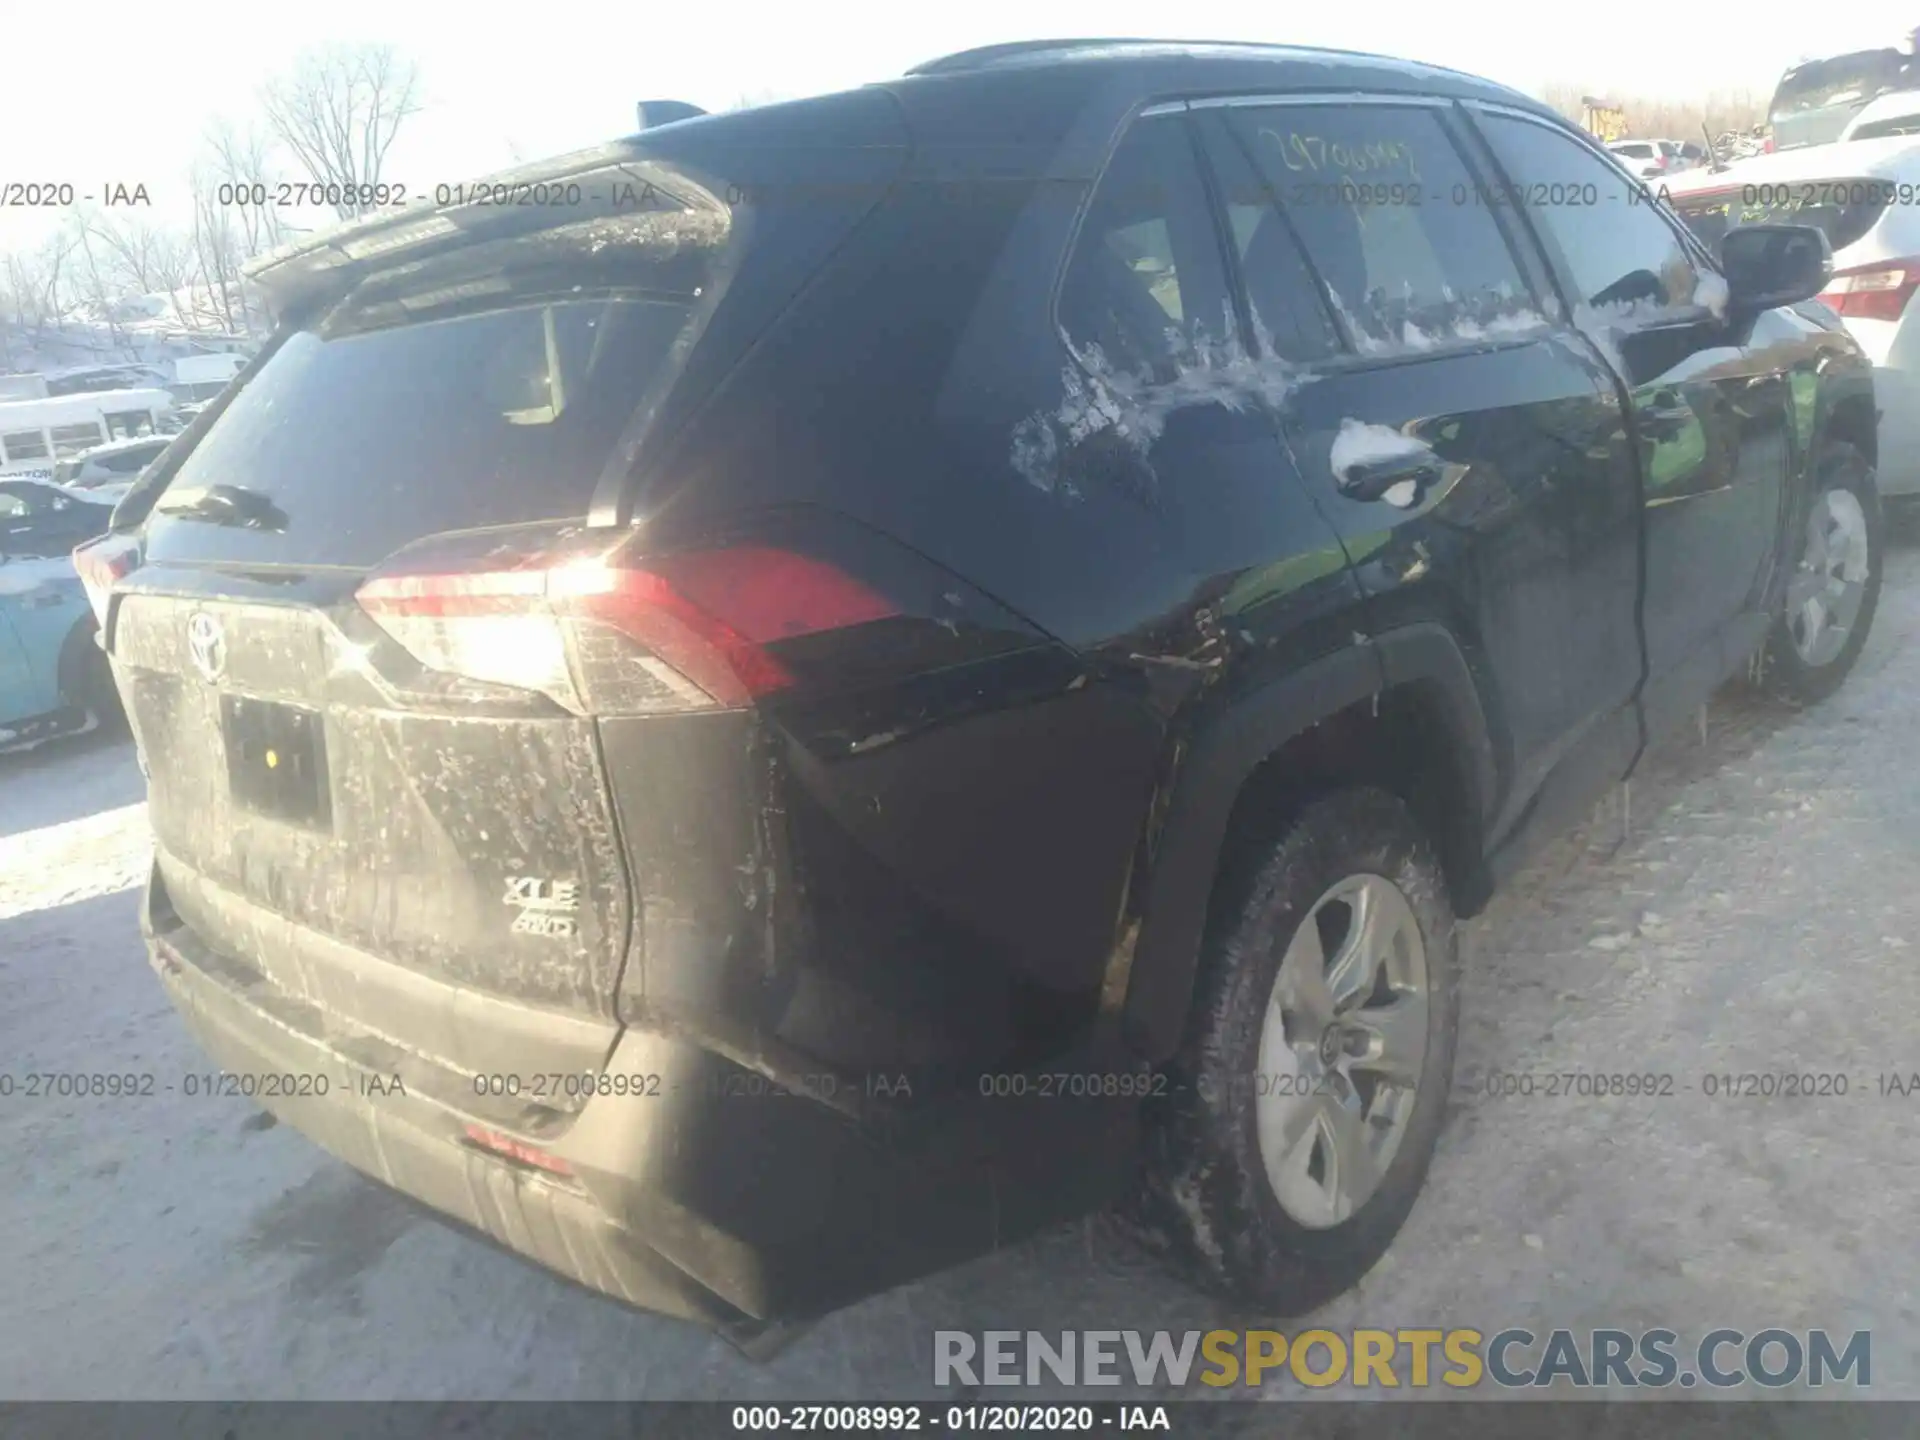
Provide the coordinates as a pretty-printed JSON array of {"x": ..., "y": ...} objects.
[
  {"x": 606, "y": 633},
  {"x": 102, "y": 562},
  {"x": 517, "y": 1150},
  {"x": 1874, "y": 292}
]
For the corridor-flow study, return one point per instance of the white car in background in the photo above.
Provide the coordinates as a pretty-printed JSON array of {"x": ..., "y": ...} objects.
[
  {"x": 1651, "y": 159},
  {"x": 107, "y": 471},
  {"x": 1644, "y": 158},
  {"x": 1895, "y": 114},
  {"x": 1866, "y": 195}
]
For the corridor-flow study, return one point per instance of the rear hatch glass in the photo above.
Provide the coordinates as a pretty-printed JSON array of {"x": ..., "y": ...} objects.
[
  {"x": 488, "y": 363},
  {"x": 1814, "y": 101},
  {"x": 1846, "y": 208},
  {"x": 485, "y": 387},
  {"x": 1891, "y": 125}
]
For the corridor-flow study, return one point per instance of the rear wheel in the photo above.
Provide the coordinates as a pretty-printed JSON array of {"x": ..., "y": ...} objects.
[
  {"x": 1834, "y": 587},
  {"x": 1310, "y": 1089},
  {"x": 87, "y": 680}
]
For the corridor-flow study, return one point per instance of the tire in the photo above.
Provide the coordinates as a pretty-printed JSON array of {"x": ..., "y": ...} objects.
[
  {"x": 1206, "y": 1196},
  {"x": 1845, "y": 498},
  {"x": 88, "y": 680}
]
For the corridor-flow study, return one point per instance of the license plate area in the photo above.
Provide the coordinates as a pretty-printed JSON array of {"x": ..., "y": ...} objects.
[{"x": 277, "y": 760}]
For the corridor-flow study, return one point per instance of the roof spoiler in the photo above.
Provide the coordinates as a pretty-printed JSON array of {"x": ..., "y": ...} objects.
[
  {"x": 331, "y": 260},
  {"x": 655, "y": 113}
]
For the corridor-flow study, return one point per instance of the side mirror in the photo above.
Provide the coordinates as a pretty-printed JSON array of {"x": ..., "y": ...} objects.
[{"x": 1769, "y": 265}]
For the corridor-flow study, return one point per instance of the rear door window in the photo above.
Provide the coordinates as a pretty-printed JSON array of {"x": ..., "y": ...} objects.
[
  {"x": 1615, "y": 246},
  {"x": 1390, "y": 217}
]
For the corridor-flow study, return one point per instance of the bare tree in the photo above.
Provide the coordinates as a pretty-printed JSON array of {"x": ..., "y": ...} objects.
[
  {"x": 140, "y": 257},
  {"x": 38, "y": 283},
  {"x": 238, "y": 157},
  {"x": 217, "y": 259},
  {"x": 338, "y": 110}
]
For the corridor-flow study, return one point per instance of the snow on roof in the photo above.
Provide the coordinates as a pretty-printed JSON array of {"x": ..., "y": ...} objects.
[
  {"x": 87, "y": 405},
  {"x": 116, "y": 447}
]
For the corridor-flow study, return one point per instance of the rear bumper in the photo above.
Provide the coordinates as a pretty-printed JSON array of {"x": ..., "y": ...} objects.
[{"x": 712, "y": 1194}]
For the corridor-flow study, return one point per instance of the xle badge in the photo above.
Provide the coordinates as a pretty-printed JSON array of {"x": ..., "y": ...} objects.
[{"x": 546, "y": 906}]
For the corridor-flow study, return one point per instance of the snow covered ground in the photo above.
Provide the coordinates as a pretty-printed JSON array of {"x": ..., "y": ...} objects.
[{"x": 1761, "y": 914}]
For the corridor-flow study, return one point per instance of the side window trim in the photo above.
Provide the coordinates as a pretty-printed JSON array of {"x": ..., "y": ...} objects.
[
  {"x": 1688, "y": 242},
  {"x": 1179, "y": 225},
  {"x": 1235, "y": 267}
]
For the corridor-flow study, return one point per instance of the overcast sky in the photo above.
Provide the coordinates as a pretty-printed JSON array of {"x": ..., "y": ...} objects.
[{"x": 102, "y": 92}]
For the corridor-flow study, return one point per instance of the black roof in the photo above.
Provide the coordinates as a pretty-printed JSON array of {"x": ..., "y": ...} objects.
[
  {"x": 1033, "y": 106},
  {"x": 1200, "y": 55}
]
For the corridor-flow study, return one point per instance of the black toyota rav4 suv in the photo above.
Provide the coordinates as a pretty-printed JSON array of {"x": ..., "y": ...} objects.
[{"x": 775, "y": 705}]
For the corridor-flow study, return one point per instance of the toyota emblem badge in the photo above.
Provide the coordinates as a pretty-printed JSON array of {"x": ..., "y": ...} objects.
[{"x": 207, "y": 645}]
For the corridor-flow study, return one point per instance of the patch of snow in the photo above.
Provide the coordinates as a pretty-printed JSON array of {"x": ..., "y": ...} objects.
[
  {"x": 1711, "y": 294},
  {"x": 98, "y": 854},
  {"x": 1359, "y": 443},
  {"x": 1097, "y": 396},
  {"x": 1499, "y": 316}
]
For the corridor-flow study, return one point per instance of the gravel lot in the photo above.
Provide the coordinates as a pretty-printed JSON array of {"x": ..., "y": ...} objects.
[{"x": 1758, "y": 916}]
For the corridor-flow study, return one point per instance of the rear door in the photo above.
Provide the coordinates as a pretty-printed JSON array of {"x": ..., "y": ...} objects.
[
  {"x": 1146, "y": 301},
  {"x": 1471, "y": 459},
  {"x": 1711, "y": 403}
]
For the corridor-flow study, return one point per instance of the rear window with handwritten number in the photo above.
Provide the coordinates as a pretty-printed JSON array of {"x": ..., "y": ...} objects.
[{"x": 1399, "y": 229}]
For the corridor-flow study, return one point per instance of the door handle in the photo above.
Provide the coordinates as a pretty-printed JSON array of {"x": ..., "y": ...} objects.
[{"x": 1371, "y": 480}]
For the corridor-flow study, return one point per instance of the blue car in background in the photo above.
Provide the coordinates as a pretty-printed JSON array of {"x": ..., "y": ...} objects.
[{"x": 54, "y": 678}]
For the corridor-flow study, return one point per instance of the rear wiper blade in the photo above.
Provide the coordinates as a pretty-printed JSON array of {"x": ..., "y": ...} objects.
[{"x": 224, "y": 505}]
